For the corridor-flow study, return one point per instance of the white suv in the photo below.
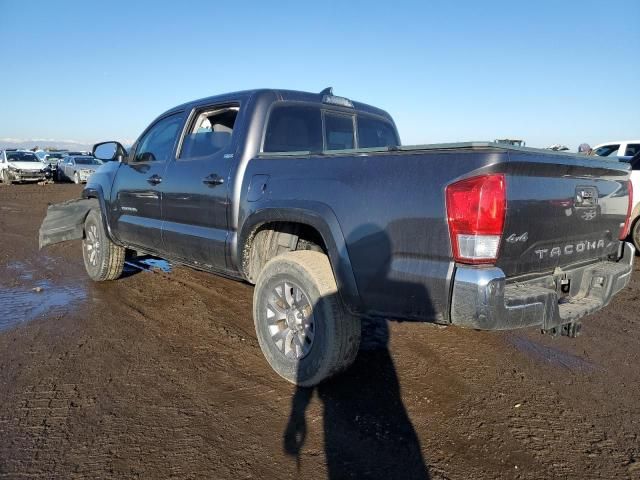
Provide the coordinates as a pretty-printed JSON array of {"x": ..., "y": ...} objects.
[{"x": 625, "y": 150}]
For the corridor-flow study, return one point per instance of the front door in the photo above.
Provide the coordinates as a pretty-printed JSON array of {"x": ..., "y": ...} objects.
[
  {"x": 195, "y": 193},
  {"x": 137, "y": 207}
]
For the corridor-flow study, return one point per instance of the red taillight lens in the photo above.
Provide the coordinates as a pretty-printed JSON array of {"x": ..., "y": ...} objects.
[
  {"x": 475, "y": 212},
  {"x": 624, "y": 231}
]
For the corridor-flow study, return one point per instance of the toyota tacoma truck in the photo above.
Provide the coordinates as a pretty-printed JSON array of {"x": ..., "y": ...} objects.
[{"x": 312, "y": 198}]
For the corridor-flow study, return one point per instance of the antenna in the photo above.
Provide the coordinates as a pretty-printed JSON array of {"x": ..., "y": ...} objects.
[{"x": 327, "y": 91}]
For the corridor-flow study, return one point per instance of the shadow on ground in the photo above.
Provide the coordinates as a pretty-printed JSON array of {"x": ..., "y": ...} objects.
[{"x": 367, "y": 430}]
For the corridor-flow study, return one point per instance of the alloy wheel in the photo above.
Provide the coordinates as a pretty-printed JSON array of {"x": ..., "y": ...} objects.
[{"x": 290, "y": 320}]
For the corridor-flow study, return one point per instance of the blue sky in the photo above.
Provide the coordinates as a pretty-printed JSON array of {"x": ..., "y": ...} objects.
[{"x": 546, "y": 71}]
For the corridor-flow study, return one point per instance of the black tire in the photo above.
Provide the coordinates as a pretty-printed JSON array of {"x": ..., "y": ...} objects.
[
  {"x": 336, "y": 334},
  {"x": 103, "y": 259},
  {"x": 635, "y": 234}
]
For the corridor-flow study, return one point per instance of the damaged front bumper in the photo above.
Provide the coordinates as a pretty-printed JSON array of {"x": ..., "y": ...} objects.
[
  {"x": 483, "y": 299},
  {"x": 25, "y": 176},
  {"x": 65, "y": 221}
]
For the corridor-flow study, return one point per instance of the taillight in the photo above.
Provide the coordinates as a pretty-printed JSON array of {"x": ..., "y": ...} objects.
[
  {"x": 475, "y": 212},
  {"x": 624, "y": 231}
]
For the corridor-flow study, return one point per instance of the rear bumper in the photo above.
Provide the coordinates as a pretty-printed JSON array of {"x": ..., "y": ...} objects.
[{"x": 482, "y": 298}]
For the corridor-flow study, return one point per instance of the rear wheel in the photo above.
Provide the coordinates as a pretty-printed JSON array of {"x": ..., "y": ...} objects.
[
  {"x": 635, "y": 234},
  {"x": 103, "y": 259},
  {"x": 302, "y": 327}
]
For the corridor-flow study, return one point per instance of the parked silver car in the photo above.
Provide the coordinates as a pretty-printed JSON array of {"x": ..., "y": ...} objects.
[{"x": 77, "y": 168}]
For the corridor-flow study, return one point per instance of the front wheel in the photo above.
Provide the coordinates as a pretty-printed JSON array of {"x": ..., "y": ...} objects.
[
  {"x": 301, "y": 324},
  {"x": 76, "y": 178},
  {"x": 103, "y": 259},
  {"x": 4, "y": 177}
]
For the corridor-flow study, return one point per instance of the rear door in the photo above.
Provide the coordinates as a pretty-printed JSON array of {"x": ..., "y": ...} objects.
[
  {"x": 195, "y": 191},
  {"x": 137, "y": 208},
  {"x": 68, "y": 167}
]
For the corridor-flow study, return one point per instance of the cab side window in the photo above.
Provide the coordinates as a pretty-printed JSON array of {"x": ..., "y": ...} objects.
[
  {"x": 294, "y": 129},
  {"x": 157, "y": 144},
  {"x": 374, "y": 133}
]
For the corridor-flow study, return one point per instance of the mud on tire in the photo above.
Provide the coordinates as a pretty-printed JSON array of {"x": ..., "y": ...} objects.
[
  {"x": 300, "y": 286},
  {"x": 103, "y": 259}
]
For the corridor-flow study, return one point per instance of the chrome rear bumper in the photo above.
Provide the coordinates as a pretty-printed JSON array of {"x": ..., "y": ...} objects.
[{"x": 482, "y": 298}]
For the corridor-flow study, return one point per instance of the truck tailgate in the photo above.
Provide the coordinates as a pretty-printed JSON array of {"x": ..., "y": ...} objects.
[{"x": 561, "y": 210}]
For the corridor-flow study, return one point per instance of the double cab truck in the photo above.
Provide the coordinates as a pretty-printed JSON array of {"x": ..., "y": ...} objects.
[{"x": 312, "y": 198}]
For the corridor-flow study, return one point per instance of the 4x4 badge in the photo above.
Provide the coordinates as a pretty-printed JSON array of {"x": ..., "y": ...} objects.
[{"x": 515, "y": 238}]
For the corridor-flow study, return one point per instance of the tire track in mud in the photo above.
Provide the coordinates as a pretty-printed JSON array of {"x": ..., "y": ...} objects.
[{"x": 500, "y": 403}]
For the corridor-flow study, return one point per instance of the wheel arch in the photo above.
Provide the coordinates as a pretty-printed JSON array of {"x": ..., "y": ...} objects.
[
  {"x": 96, "y": 192},
  {"x": 316, "y": 218}
]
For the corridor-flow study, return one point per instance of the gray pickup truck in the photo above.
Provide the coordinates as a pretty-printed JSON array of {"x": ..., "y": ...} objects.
[{"x": 312, "y": 198}]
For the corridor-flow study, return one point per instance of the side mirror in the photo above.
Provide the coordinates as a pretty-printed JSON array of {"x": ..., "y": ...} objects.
[{"x": 109, "y": 151}]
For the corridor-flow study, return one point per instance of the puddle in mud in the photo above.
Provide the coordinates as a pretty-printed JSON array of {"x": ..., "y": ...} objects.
[
  {"x": 148, "y": 264},
  {"x": 28, "y": 302},
  {"x": 550, "y": 355}
]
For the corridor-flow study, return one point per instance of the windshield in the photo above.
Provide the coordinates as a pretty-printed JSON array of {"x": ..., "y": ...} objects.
[
  {"x": 87, "y": 161},
  {"x": 22, "y": 157},
  {"x": 55, "y": 155}
]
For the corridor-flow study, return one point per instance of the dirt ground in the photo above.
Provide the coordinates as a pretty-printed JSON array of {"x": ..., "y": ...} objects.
[{"x": 159, "y": 375}]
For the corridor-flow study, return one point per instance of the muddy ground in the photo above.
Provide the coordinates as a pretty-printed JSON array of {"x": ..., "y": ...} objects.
[{"x": 159, "y": 375}]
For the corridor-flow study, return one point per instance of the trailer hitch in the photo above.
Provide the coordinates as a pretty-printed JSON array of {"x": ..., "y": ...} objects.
[{"x": 571, "y": 330}]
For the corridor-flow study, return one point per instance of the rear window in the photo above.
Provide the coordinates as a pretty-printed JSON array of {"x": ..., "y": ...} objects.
[
  {"x": 606, "y": 150},
  {"x": 374, "y": 133},
  {"x": 87, "y": 161},
  {"x": 294, "y": 129},
  {"x": 339, "y": 133},
  {"x": 632, "y": 149}
]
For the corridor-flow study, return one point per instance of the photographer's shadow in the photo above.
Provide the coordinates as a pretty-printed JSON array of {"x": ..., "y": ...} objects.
[{"x": 367, "y": 431}]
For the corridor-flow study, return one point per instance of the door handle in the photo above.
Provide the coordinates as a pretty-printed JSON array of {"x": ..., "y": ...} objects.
[
  {"x": 213, "y": 180},
  {"x": 154, "y": 179}
]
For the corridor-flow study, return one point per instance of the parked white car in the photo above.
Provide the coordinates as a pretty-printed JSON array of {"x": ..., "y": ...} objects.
[
  {"x": 624, "y": 149},
  {"x": 21, "y": 166}
]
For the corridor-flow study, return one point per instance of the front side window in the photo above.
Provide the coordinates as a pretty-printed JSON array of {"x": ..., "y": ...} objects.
[
  {"x": 606, "y": 150},
  {"x": 210, "y": 133},
  {"x": 157, "y": 144},
  {"x": 294, "y": 129},
  {"x": 374, "y": 133},
  {"x": 632, "y": 149},
  {"x": 339, "y": 133}
]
